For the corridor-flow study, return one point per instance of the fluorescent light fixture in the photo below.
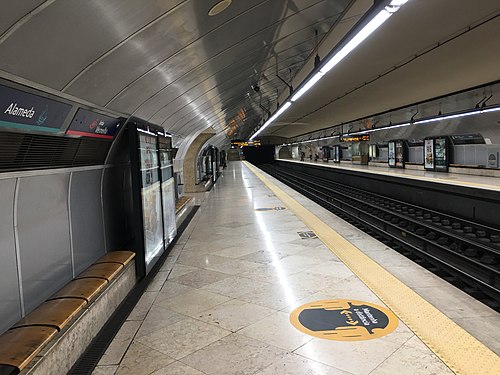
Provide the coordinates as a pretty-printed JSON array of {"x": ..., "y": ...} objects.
[
  {"x": 315, "y": 78},
  {"x": 145, "y": 131},
  {"x": 280, "y": 111},
  {"x": 366, "y": 31},
  {"x": 494, "y": 109},
  {"x": 398, "y": 3},
  {"x": 370, "y": 27},
  {"x": 315, "y": 140}
]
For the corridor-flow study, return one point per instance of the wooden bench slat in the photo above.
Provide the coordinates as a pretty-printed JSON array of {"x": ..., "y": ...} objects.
[
  {"x": 57, "y": 313},
  {"x": 103, "y": 270},
  {"x": 19, "y": 346},
  {"x": 121, "y": 256},
  {"x": 84, "y": 288}
]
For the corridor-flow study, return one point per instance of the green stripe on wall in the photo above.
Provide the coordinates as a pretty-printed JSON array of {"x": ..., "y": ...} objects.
[{"x": 14, "y": 125}]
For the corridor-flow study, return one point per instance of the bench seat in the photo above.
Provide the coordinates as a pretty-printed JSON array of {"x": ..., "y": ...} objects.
[
  {"x": 56, "y": 313},
  {"x": 20, "y": 345},
  {"x": 86, "y": 289},
  {"x": 26, "y": 339},
  {"x": 121, "y": 256},
  {"x": 106, "y": 271}
]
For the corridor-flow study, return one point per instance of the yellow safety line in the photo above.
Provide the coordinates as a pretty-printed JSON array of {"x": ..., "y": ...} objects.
[
  {"x": 441, "y": 180},
  {"x": 459, "y": 350}
]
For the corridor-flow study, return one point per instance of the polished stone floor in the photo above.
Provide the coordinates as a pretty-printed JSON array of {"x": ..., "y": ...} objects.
[{"x": 221, "y": 302}]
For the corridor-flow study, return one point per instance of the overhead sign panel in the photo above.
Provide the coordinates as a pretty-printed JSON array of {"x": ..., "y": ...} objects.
[
  {"x": 92, "y": 124},
  {"x": 355, "y": 138},
  {"x": 25, "y": 111},
  {"x": 241, "y": 143}
]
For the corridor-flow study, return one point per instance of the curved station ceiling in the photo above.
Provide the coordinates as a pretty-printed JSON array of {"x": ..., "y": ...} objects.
[{"x": 171, "y": 63}]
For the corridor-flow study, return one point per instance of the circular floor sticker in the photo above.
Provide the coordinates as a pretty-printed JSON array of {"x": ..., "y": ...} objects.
[{"x": 344, "y": 320}]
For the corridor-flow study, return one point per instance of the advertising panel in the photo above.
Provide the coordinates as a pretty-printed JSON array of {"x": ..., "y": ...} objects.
[
  {"x": 24, "y": 111},
  {"x": 169, "y": 223},
  {"x": 441, "y": 154},
  {"x": 400, "y": 154},
  {"x": 151, "y": 198},
  {"x": 429, "y": 154},
  {"x": 92, "y": 124},
  {"x": 167, "y": 188},
  {"x": 326, "y": 153},
  {"x": 392, "y": 154},
  {"x": 338, "y": 153}
]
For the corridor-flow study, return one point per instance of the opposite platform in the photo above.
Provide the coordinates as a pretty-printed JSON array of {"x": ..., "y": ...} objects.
[{"x": 456, "y": 179}]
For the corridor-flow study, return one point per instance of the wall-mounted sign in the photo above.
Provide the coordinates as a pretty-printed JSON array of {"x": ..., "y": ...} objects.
[
  {"x": 355, "y": 138},
  {"x": 25, "y": 111},
  {"x": 92, "y": 124},
  {"x": 415, "y": 142},
  {"x": 344, "y": 320},
  {"x": 467, "y": 139}
]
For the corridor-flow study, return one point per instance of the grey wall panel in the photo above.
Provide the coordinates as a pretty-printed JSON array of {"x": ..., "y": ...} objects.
[
  {"x": 117, "y": 202},
  {"x": 86, "y": 218},
  {"x": 44, "y": 243},
  {"x": 11, "y": 13},
  {"x": 10, "y": 304}
]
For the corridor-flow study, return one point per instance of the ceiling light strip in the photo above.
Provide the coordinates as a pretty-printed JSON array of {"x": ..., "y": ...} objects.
[
  {"x": 355, "y": 41},
  {"x": 418, "y": 122},
  {"x": 432, "y": 119},
  {"x": 372, "y": 25},
  {"x": 280, "y": 111}
]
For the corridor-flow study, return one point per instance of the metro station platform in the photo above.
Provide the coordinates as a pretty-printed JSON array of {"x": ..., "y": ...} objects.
[
  {"x": 456, "y": 179},
  {"x": 265, "y": 281}
]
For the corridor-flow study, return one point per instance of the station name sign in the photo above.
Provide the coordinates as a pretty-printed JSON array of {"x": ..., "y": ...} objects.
[
  {"x": 25, "y": 111},
  {"x": 92, "y": 124},
  {"x": 240, "y": 143},
  {"x": 355, "y": 138}
]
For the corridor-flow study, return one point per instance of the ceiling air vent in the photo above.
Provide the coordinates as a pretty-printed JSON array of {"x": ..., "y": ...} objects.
[{"x": 31, "y": 151}]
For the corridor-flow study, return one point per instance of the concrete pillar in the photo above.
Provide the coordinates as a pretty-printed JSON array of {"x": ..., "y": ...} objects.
[
  {"x": 190, "y": 161},
  {"x": 285, "y": 152},
  {"x": 233, "y": 154}
]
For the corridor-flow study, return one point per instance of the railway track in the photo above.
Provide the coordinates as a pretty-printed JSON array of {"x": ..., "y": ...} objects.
[{"x": 464, "y": 253}]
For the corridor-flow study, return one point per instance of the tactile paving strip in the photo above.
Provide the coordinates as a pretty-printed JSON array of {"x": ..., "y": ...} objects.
[{"x": 458, "y": 349}]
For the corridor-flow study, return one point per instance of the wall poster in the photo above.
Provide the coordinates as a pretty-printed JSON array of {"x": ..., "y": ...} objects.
[
  {"x": 392, "y": 154},
  {"x": 429, "y": 154}
]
